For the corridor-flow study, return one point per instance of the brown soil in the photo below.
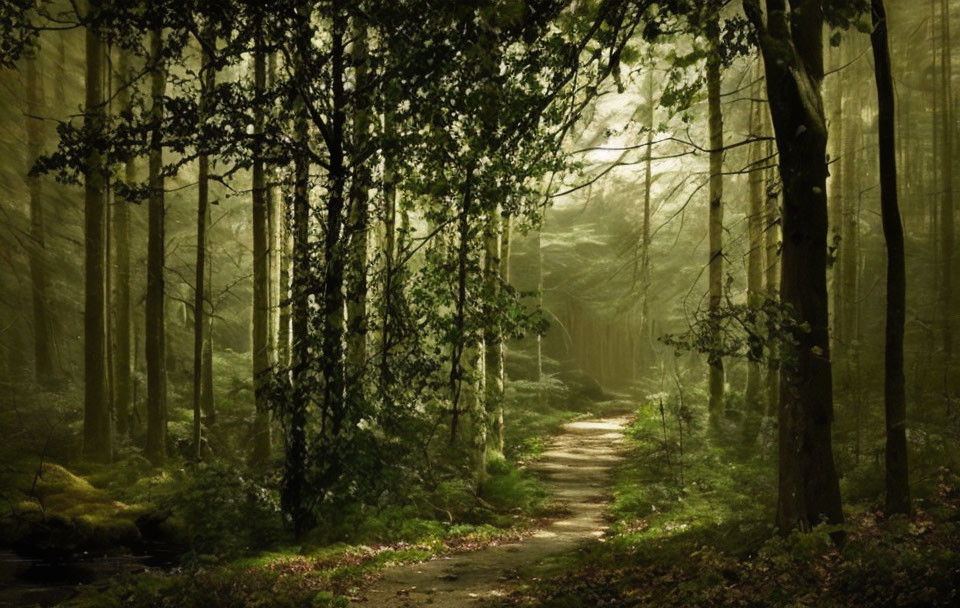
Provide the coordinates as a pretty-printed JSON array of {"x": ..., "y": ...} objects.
[{"x": 576, "y": 469}]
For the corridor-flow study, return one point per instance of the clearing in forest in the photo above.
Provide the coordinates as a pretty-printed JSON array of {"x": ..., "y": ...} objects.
[{"x": 576, "y": 469}]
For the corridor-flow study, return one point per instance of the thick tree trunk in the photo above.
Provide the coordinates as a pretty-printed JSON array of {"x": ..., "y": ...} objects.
[
  {"x": 808, "y": 489},
  {"x": 261, "y": 279},
  {"x": 96, "y": 413},
  {"x": 43, "y": 347},
  {"x": 837, "y": 201},
  {"x": 716, "y": 211},
  {"x": 898, "y": 488},
  {"x": 156, "y": 443}
]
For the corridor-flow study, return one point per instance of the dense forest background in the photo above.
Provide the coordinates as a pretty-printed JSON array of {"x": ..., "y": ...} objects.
[{"x": 317, "y": 281}]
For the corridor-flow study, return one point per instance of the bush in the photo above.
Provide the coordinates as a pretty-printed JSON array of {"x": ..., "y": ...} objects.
[{"x": 219, "y": 510}]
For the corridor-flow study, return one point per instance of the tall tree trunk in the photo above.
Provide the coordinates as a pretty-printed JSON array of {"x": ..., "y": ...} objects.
[
  {"x": 292, "y": 492},
  {"x": 356, "y": 357},
  {"x": 200, "y": 281},
  {"x": 837, "y": 202},
  {"x": 96, "y": 413},
  {"x": 334, "y": 302},
  {"x": 755, "y": 218},
  {"x": 771, "y": 239},
  {"x": 123, "y": 403},
  {"x": 261, "y": 280},
  {"x": 207, "y": 401},
  {"x": 898, "y": 488},
  {"x": 391, "y": 286},
  {"x": 808, "y": 489},
  {"x": 646, "y": 325},
  {"x": 492, "y": 333},
  {"x": 716, "y": 210},
  {"x": 156, "y": 443},
  {"x": 43, "y": 347},
  {"x": 946, "y": 203}
]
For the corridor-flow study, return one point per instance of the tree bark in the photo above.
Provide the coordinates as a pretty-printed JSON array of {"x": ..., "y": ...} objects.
[
  {"x": 156, "y": 443},
  {"x": 261, "y": 280},
  {"x": 96, "y": 414},
  {"x": 808, "y": 489},
  {"x": 123, "y": 401},
  {"x": 356, "y": 357},
  {"x": 200, "y": 280},
  {"x": 755, "y": 218},
  {"x": 492, "y": 332},
  {"x": 898, "y": 488},
  {"x": 716, "y": 211}
]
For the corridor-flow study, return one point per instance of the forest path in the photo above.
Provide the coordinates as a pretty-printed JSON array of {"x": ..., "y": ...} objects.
[{"x": 576, "y": 469}]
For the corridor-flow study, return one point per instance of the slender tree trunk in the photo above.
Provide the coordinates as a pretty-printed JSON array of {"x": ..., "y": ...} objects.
[
  {"x": 391, "y": 286},
  {"x": 207, "y": 401},
  {"x": 646, "y": 332},
  {"x": 356, "y": 357},
  {"x": 96, "y": 418},
  {"x": 122, "y": 307},
  {"x": 898, "y": 488},
  {"x": 492, "y": 333},
  {"x": 771, "y": 240},
  {"x": 200, "y": 280},
  {"x": 459, "y": 337},
  {"x": 156, "y": 444},
  {"x": 755, "y": 218},
  {"x": 334, "y": 302},
  {"x": 716, "y": 211},
  {"x": 43, "y": 347},
  {"x": 261, "y": 279},
  {"x": 294, "y": 474},
  {"x": 808, "y": 489}
]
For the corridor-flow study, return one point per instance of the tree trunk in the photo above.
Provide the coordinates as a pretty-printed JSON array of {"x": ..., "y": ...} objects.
[
  {"x": 492, "y": 332},
  {"x": 200, "y": 280},
  {"x": 156, "y": 444},
  {"x": 123, "y": 402},
  {"x": 96, "y": 414},
  {"x": 716, "y": 212},
  {"x": 261, "y": 281},
  {"x": 808, "y": 489},
  {"x": 391, "y": 286},
  {"x": 755, "y": 218},
  {"x": 334, "y": 302},
  {"x": 837, "y": 202},
  {"x": 772, "y": 273},
  {"x": 292, "y": 497},
  {"x": 43, "y": 347},
  {"x": 646, "y": 332},
  {"x": 356, "y": 357},
  {"x": 898, "y": 488}
]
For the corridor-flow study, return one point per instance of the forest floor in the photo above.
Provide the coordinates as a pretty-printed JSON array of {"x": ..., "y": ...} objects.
[{"x": 577, "y": 470}]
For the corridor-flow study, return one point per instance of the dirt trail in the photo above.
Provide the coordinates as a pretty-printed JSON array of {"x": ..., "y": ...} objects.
[{"x": 576, "y": 469}]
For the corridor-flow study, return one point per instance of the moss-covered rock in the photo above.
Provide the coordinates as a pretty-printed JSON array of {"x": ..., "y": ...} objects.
[{"x": 55, "y": 513}]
